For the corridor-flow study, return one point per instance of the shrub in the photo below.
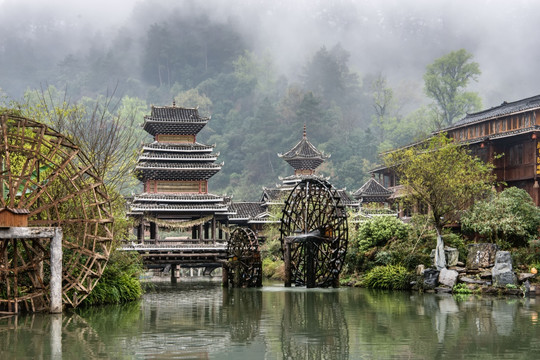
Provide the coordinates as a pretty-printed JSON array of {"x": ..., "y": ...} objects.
[
  {"x": 392, "y": 277},
  {"x": 120, "y": 281},
  {"x": 273, "y": 269},
  {"x": 379, "y": 231},
  {"x": 509, "y": 218}
]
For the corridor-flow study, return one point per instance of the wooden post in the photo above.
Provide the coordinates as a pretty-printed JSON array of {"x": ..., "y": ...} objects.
[
  {"x": 213, "y": 230},
  {"x": 225, "y": 275},
  {"x": 153, "y": 232},
  {"x": 310, "y": 263},
  {"x": 174, "y": 267},
  {"x": 140, "y": 232},
  {"x": 287, "y": 261},
  {"x": 56, "y": 272}
]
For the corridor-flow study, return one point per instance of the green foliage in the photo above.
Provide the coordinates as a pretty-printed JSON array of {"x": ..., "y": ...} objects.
[
  {"x": 379, "y": 231},
  {"x": 445, "y": 82},
  {"x": 273, "y": 269},
  {"x": 509, "y": 218},
  {"x": 119, "y": 282},
  {"x": 391, "y": 277},
  {"x": 442, "y": 175},
  {"x": 461, "y": 288}
]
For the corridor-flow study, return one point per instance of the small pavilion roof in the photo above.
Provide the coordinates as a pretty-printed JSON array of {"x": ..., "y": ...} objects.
[
  {"x": 372, "y": 191},
  {"x": 304, "y": 155}
]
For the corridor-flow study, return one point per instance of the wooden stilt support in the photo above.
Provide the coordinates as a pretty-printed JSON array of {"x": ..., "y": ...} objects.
[
  {"x": 174, "y": 268},
  {"x": 56, "y": 272},
  {"x": 287, "y": 260},
  {"x": 225, "y": 275}
]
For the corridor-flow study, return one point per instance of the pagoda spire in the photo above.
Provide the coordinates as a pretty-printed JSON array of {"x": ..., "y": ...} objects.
[{"x": 304, "y": 156}]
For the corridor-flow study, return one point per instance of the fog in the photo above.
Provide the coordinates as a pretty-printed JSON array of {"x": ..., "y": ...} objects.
[{"x": 395, "y": 37}]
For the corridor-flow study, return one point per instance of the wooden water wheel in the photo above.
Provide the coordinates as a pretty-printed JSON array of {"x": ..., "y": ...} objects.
[
  {"x": 244, "y": 259},
  {"x": 314, "y": 234},
  {"x": 47, "y": 179}
]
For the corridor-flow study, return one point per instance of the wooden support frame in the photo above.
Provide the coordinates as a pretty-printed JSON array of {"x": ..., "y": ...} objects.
[
  {"x": 12, "y": 275},
  {"x": 44, "y": 174}
]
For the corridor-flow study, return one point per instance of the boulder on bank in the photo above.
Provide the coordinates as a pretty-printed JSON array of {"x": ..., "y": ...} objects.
[
  {"x": 448, "y": 277},
  {"x": 502, "y": 273},
  {"x": 481, "y": 255}
]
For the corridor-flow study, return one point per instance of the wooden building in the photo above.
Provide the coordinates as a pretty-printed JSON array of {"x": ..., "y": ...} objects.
[
  {"x": 510, "y": 130},
  {"x": 174, "y": 170}
]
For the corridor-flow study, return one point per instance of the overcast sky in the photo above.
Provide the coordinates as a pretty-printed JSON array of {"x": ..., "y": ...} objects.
[{"x": 395, "y": 37}]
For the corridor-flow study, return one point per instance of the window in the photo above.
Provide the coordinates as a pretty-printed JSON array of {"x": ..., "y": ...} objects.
[{"x": 515, "y": 156}]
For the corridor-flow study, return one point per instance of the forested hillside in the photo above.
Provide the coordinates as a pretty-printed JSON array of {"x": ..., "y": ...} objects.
[{"x": 258, "y": 107}]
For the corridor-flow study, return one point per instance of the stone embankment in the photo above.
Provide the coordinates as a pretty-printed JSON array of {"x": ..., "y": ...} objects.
[{"x": 487, "y": 271}]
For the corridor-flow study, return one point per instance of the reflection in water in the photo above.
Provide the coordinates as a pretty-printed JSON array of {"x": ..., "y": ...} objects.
[
  {"x": 200, "y": 320},
  {"x": 313, "y": 326},
  {"x": 242, "y": 310}
]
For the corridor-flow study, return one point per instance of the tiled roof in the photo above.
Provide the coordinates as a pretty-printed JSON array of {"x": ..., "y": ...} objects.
[
  {"x": 372, "y": 191},
  {"x": 272, "y": 195},
  {"x": 176, "y": 171},
  {"x": 506, "y": 108},
  {"x": 174, "y": 148},
  {"x": 178, "y": 208},
  {"x": 178, "y": 198},
  {"x": 304, "y": 155},
  {"x": 246, "y": 210},
  {"x": 346, "y": 199},
  {"x": 163, "y": 156},
  {"x": 174, "y": 113}
]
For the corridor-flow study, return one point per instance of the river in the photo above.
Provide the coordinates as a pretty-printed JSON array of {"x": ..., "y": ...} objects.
[{"x": 197, "y": 319}]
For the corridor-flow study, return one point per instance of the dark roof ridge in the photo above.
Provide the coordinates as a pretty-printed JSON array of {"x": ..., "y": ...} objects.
[{"x": 497, "y": 111}]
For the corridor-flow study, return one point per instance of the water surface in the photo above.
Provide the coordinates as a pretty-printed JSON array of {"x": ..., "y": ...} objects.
[{"x": 197, "y": 319}]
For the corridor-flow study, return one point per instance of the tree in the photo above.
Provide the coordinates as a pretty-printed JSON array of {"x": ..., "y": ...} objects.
[
  {"x": 445, "y": 177},
  {"x": 106, "y": 129},
  {"x": 445, "y": 82},
  {"x": 508, "y": 218}
]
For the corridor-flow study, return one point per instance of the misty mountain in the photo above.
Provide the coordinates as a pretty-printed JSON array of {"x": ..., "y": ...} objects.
[{"x": 264, "y": 68}]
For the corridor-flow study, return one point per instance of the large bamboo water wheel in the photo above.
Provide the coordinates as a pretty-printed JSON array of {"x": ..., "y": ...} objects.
[
  {"x": 47, "y": 179},
  {"x": 314, "y": 234},
  {"x": 244, "y": 259}
]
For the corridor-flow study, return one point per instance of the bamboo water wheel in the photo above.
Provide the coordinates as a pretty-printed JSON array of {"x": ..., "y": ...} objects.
[
  {"x": 314, "y": 234},
  {"x": 46, "y": 178},
  {"x": 244, "y": 259}
]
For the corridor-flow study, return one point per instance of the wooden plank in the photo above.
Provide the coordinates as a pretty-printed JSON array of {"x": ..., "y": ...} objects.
[{"x": 26, "y": 232}]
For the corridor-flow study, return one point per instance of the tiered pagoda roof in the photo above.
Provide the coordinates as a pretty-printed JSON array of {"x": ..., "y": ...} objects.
[
  {"x": 372, "y": 191},
  {"x": 174, "y": 120},
  {"x": 175, "y": 168},
  {"x": 304, "y": 155}
]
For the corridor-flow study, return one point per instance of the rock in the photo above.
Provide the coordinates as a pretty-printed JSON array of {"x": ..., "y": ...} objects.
[
  {"x": 481, "y": 255},
  {"x": 525, "y": 276},
  {"x": 430, "y": 278},
  {"x": 448, "y": 277},
  {"x": 468, "y": 280},
  {"x": 451, "y": 255},
  {"x": 459, "y": 269},
  {"x": 502, "y": 272},
  {"x": 443, "y": 290},
  {"x": 485, "y": 274},
  {"x": 420, "y": 269}
]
